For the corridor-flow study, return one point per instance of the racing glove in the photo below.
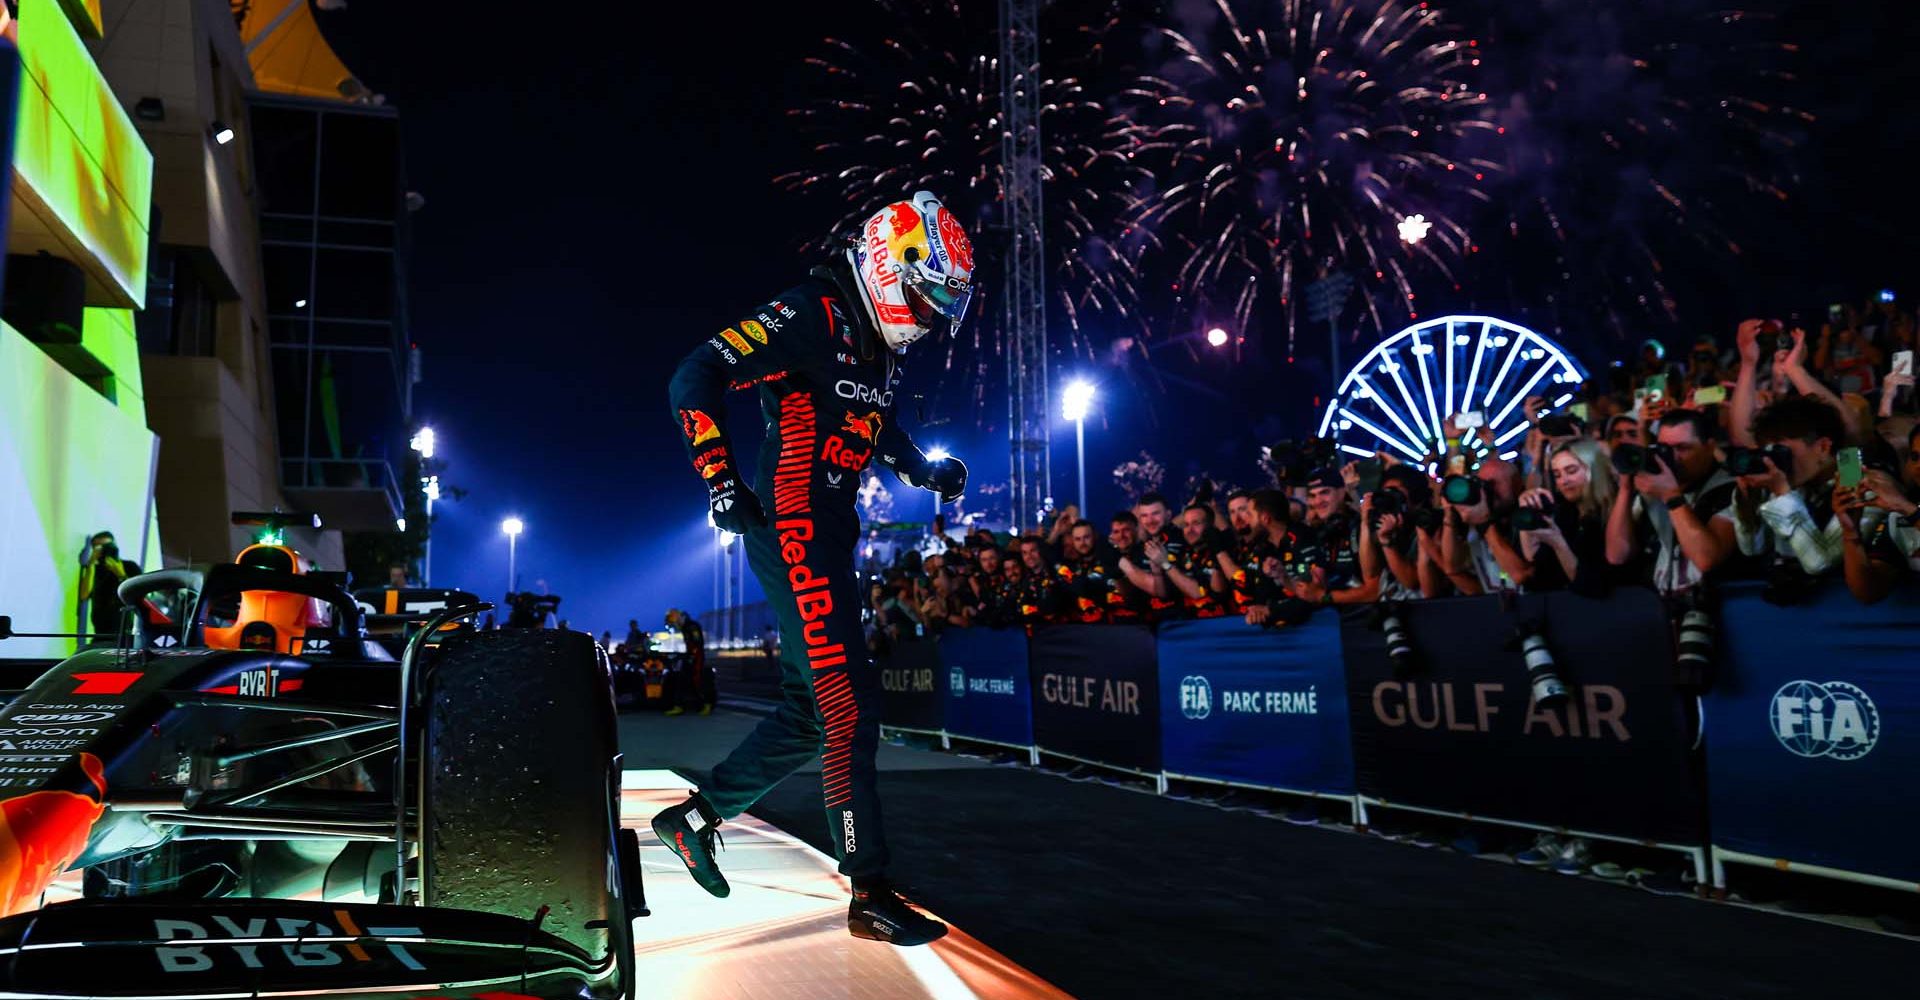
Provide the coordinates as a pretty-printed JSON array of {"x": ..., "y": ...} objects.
[
  {"x": 947, "y": 477},
  {"x": 735, "y": 507}
]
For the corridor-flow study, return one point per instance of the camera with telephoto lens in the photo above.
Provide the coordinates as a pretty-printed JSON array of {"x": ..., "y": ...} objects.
[
  {"x": 1461, "y": 491},
  {"x": 1390, "y": 619},
  {"x": 1629, "y": 459},
  {"x": 1385, "y": 502},
  {"x": 1693, "y": 646},
  {"x": 1530, "y": 519},
  {"x": 1542, "y": 674},
  {"x": 1752, "y": 461}
]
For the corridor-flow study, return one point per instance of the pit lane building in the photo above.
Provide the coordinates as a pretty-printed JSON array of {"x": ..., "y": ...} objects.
[{"x": 193, "y": 324}]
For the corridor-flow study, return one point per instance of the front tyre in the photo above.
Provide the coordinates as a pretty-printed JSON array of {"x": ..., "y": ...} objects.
[{"x": 519, "y": 789}]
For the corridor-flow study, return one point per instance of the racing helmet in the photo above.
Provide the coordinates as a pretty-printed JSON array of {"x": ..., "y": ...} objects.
[{"x": 913, "y": 266}]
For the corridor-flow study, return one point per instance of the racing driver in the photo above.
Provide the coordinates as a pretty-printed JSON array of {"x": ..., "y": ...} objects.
[{"x": 824, "y": 356}]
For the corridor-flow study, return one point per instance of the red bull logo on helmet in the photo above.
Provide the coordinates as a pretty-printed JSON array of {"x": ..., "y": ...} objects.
[{"x": 951, "y": 246}]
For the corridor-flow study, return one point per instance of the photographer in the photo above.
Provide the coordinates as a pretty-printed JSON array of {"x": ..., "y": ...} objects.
[
  {"x": 1786, "y": 505},
  {"x": 1570, "y": 520},
  {"x": 1880, "y": 527},
  {"x": 1673, "y": 504},
  {"x": 943, "y": 607},
  {"x": 1401, "y": 536},
  {"x": 1477, "y": 550},
  {"x": 1624, "y": 429},
  {"x": 101, "y": 573},
  {"x": 1547, "y": 432}
]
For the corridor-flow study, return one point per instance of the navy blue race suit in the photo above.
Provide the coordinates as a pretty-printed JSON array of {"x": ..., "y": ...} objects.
[{"x": 826, "y": 388}]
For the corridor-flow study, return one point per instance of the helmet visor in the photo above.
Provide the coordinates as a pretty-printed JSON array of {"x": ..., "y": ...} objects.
[{"x": 948, "y": 295}]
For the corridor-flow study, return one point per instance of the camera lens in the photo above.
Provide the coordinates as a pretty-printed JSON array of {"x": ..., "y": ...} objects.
[
  {"x": 1548, "y": 689},
  {"x": 1462, "y": 490},
  {"x": 1693, "y": 657},
  {"x": 1399, "y": 644},
  {"x": 1629, "y": 459}
]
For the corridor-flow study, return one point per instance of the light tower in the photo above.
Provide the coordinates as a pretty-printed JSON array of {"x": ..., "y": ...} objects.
[{"x": 1028, "y": 413}]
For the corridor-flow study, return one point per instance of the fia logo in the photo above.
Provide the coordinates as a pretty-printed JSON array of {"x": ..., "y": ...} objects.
[
  {"x": 957, "y": 681},
  {"x": 1835, "y": 719},
  {"x": 1196, "y": 697}
]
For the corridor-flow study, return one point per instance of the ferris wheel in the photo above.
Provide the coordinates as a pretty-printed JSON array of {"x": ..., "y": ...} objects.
[{"x": 1399, "y": 397}]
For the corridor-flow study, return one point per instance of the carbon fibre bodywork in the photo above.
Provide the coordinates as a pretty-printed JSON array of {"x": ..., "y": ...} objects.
[{"x": 163, "y": 748}]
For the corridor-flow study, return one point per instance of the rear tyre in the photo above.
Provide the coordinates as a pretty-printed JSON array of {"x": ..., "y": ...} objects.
[{"x": 519, "y": 788}]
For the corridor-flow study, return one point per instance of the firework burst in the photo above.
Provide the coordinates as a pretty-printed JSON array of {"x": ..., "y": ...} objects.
[
  {"x": 1297, "y": 136},
  {"x": 1644, "y": 133},
  {"x": 919, "y": 108}
]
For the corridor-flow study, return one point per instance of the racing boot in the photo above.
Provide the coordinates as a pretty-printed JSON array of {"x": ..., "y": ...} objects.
[
  {"x": 692, "y": 830},
  {"x": 675, "y": 710},
  {"x": 878, "y": 914},
  {"x": 706, "y": 710}
]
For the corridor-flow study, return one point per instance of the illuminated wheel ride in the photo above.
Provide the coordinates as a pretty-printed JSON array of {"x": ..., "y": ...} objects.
[{"x": 1401, "y": 395}]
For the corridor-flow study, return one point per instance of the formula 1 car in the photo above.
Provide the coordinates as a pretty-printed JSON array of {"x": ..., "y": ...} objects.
[{"x": 278, "y": 806}]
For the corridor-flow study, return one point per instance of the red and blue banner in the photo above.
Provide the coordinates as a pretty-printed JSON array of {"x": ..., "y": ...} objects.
[
  {"x": 988, "y": 691},
  {"x": 1254, "y": 706},
  {"x": 1813, "y": 731}
]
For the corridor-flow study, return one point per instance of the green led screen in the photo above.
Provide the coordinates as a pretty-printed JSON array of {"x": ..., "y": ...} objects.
[{"x": 78, "y": 153}]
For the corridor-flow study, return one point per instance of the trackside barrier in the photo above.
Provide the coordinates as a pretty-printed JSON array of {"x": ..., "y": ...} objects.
[
  {"x": 1096, "y": 696},
  {"x": 1459, "y": 732},
  {"x": 1258, "y": 708},
  {"x": 909, "y": 688},
  {"x": 1813, "y": 731},
  {"x": 987, "y": 687}
]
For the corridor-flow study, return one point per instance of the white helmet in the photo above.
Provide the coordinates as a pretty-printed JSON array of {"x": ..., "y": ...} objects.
[{"x": 914, "y": 268}]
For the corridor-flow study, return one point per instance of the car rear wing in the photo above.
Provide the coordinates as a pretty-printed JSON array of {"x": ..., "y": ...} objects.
[{"x": 289, "y": 948}]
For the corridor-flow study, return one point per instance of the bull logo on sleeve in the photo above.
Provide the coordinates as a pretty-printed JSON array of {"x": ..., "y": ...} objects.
[{"x": 698, "y": 427}]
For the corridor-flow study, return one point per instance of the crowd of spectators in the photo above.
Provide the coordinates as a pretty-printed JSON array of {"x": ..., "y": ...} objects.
[{"x": 1786, "y": 456}]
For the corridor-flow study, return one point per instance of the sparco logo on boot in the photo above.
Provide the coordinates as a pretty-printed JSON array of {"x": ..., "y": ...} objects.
[
  {"x": 1835, "y": 719},
  {"x": 849, "y": 389}
]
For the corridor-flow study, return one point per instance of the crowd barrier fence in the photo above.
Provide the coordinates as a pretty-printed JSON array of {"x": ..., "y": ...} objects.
[{"x": 1800, "y": 756}]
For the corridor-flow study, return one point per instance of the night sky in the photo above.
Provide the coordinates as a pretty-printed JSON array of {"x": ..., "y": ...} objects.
[{"x": 599, "y": 199}]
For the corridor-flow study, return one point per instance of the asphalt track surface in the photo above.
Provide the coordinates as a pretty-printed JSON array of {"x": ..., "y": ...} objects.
[{"x": 1107, "y": 892}]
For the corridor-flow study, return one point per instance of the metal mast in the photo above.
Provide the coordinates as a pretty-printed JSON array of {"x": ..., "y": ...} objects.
[{"x": 1028, "y": 419}]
